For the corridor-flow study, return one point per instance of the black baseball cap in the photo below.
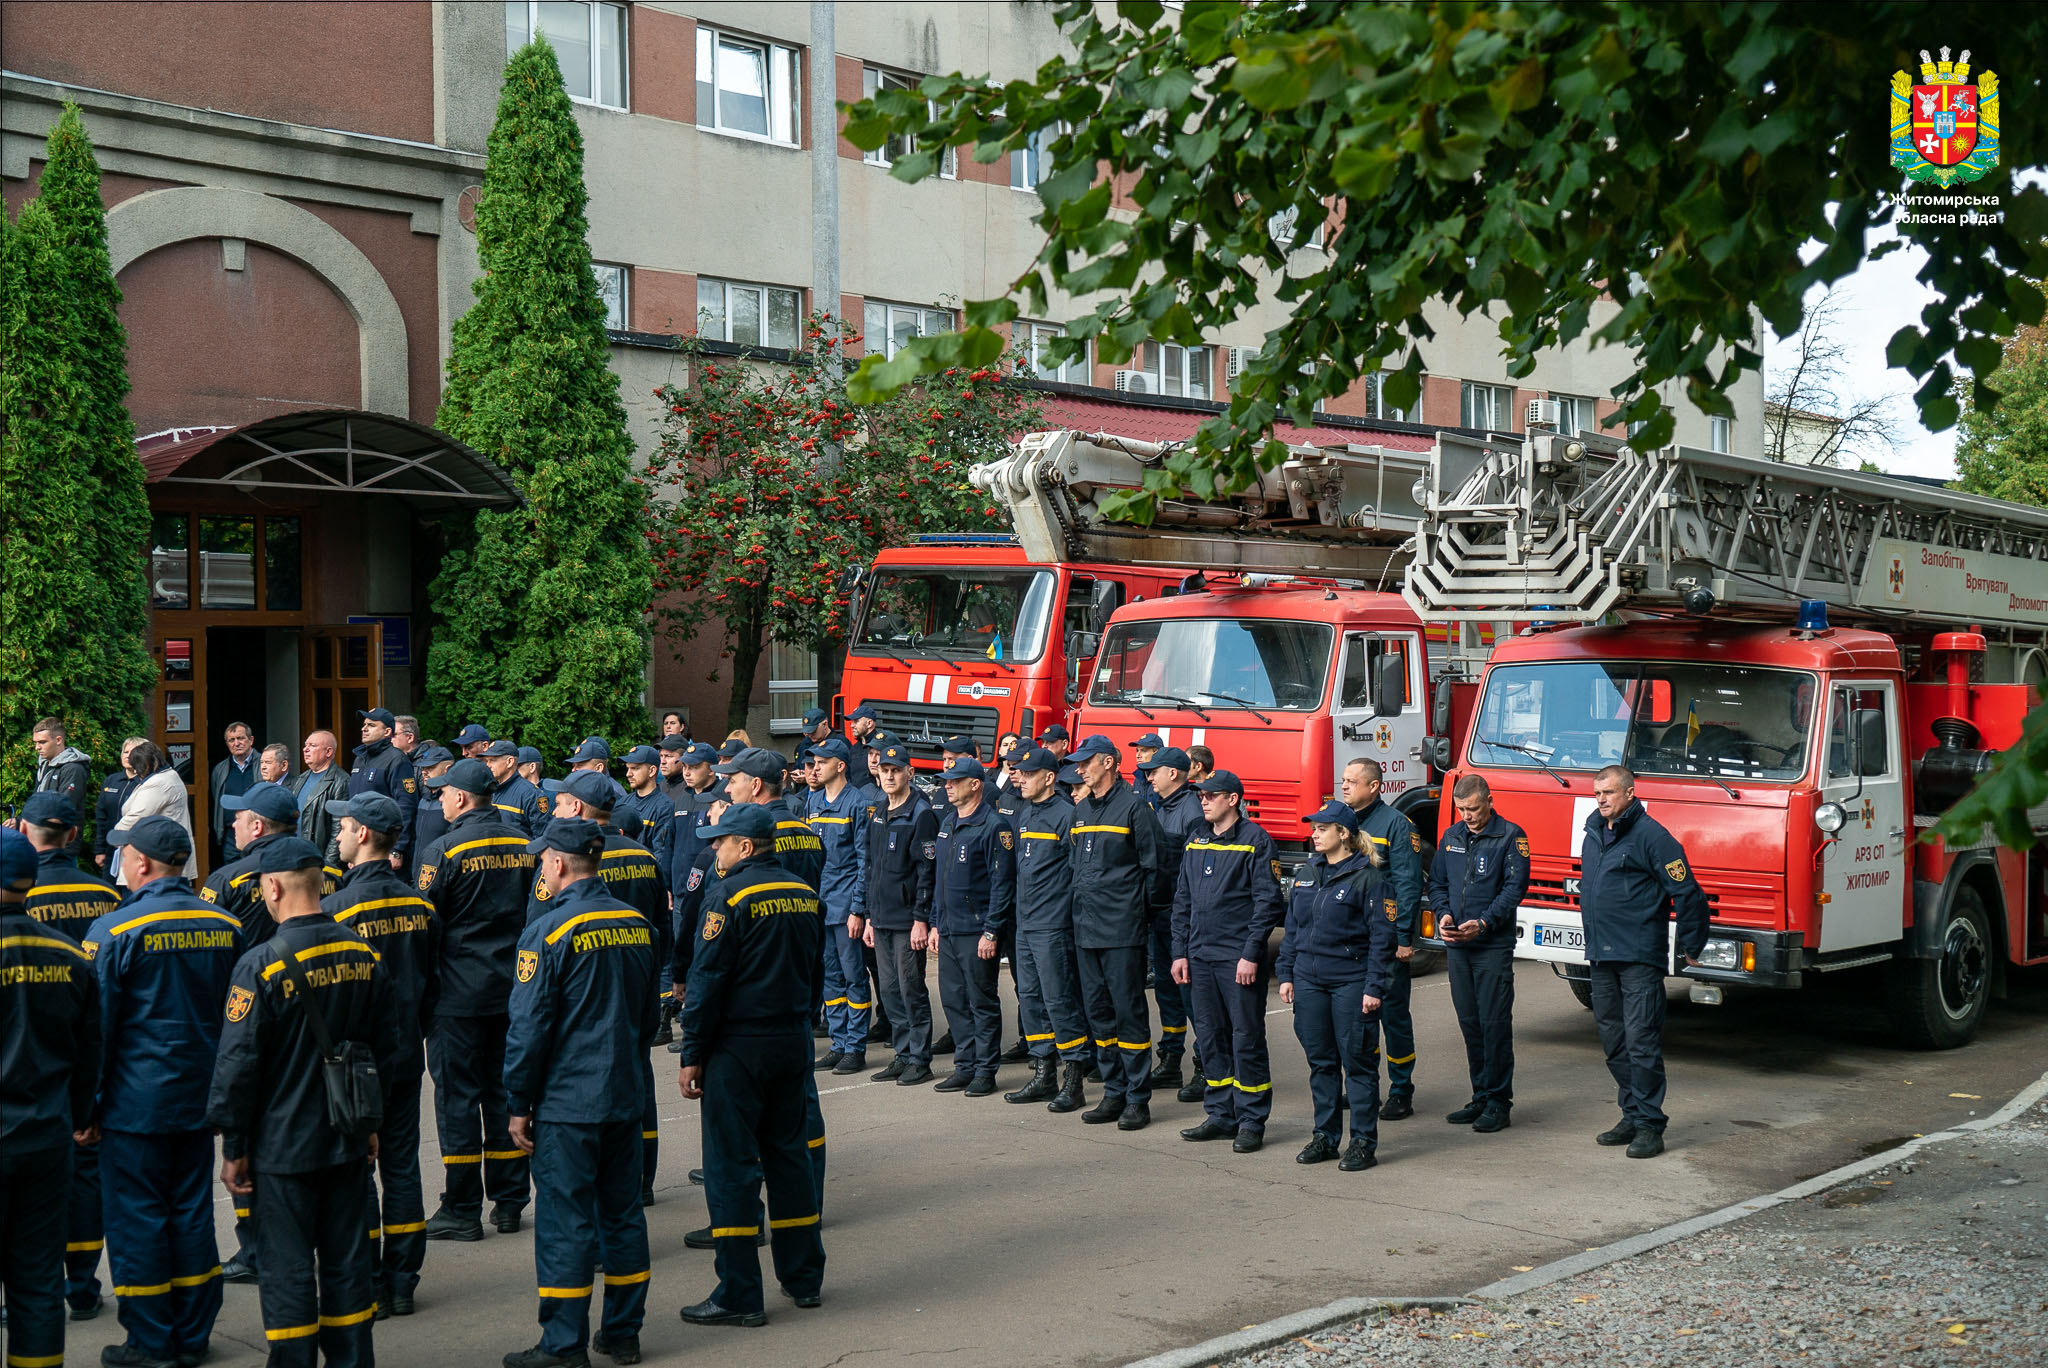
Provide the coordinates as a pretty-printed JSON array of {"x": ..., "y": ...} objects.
[
  {"x": 642, "y": 755},
  {"x": 1151, "y": 739},
  {"x": 587, "y": 787},
  {"x": 814, "y": 717},
  {"x": 571, "y": 835},
  {"x": 160, "y": 838},
  {"x": 501, "y": 749},
  {"x": 758, "y": 761},
  {"x": 470, "y": 775},
  {"x": 377, "y": 715},
  {"x": 51, "y": 810},
  {"x": 285, "y": 854},
  {"x": 893, "y": 755},
  {"x": 1054, "y": 733},
  {"x": 372, "y": 810},
  {"x": 964, "y": 767},
  {"x": 472, "y": 734},
  {"x": 1036, "y": 760},
  {"x": 751, "y": 820},
  {"x": 1166, "y": 757},
  {"x": 1222, "y": 781},
  {"x": 271, "y": 802}
]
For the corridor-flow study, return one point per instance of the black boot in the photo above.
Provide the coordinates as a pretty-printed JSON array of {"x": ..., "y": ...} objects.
[
  {"x": 1070, "y": 1095},
  {"x": 665, "y": 1032},
  {"x": 1167, "y": 1073},
  {"x": 1016, "y": 1054},
  {"x": 1041, "y": 1086},
  {"x": 1102, "y": 1113}
]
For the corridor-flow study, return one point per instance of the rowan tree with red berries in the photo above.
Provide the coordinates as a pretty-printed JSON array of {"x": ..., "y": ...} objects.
[{"x": 769, "y": 485}]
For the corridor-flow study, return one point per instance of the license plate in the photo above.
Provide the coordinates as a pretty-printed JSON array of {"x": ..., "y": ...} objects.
[{"x": 1561, "y": 937}]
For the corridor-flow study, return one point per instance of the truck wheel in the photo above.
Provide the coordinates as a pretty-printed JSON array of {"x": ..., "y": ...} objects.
[
  {"x": 1582, "y": 989},
  {"x": 1939, "y": 1002}
]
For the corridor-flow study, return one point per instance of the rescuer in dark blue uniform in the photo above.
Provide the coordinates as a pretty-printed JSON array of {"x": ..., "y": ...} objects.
[
  {"x": 263, "y": 812},
  {"x": 471, "y": 742},
  {"x": 477, "y": 878},
  {"x": 973, "y": 892},
  {"x": 428, "y": 823},
  {"x": 271, "y": 1105},
  {"x": 1226, "y": 904},
  {"x": 400, "y": 926},
  {"x": 1333, "y": 968},
  {"x": 1398, "y": 847},
  {"x": 583, "y": 1010},
  {"x": 70, "y": 899},
  {"x": 518, "y": 801},
  {"x": 381, "y": 767},
  {"x": 1179, "y": 810},
  {"x": 838, "y": 817},
  {"x": 106, "y": 810},
  {"x": 1055, "y": 1024},
  {"x": 902, "y": 836},
  {"x": 1634, "y": 879},
  {"x": 163, "y": 958},
  {"x": 754, "y": 975},
  {"x": 1475, "y": 885},
  {"x": 49, "y": 1065}
]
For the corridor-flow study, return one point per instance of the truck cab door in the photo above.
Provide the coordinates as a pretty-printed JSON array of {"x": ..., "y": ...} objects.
[
  {"x": 1358, "y": 730},
  {"x": 1863, "y": 870}
]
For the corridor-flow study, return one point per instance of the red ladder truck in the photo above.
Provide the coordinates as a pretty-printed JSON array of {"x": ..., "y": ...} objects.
[{"x": 1805, "y": 668}]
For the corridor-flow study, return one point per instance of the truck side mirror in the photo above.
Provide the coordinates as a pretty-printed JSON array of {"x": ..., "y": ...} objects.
[
  {"x": 1440, "y": 707},
  {"x": 1105, "y": 598},
  {"x": 1080, "y": 646},
  {"x": 1868, "y": 731},
  {"x": 1389, "y": 684},
  {"x": 853, "y": 584}
]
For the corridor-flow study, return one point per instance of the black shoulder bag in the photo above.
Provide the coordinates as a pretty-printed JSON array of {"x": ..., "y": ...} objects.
[{"x": 355, "y": 1094}]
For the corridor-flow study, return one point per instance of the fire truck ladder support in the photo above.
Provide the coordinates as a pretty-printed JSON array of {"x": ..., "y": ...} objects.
[{"x": 1567, "y": 529}]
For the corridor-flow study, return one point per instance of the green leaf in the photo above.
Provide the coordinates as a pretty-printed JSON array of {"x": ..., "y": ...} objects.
[
  {"x": 1204, "y": 26},
  {"x": 914, "y": 166},
  {"x": 868, "y": 133},
  {"x": 1142, "y": 13},
  {"x": 1905, "y": 349},
  {"x": 1067, "y": 182},
  {"x": 1275, "y": 79},
  {"x": 1365, "y": 172}
]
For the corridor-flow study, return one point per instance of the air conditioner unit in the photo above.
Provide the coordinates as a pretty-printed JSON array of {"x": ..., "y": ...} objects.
[
  {"x": 1542, "y": 413},
  {"x": 1136, "y": 382},
  {"x": 1235, "y": 359}
]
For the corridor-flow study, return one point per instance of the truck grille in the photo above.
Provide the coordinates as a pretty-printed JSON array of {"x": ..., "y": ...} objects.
[{"x": 922, "y": 726}]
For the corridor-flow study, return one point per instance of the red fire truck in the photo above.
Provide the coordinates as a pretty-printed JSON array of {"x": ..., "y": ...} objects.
[{"x": 1805, "y": 668}]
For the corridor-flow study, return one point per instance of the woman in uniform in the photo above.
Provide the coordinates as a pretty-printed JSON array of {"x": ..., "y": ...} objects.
[{"x": 1333, "y": 966}]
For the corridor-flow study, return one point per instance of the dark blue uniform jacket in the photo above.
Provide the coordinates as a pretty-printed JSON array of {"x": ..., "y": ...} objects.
[
  {"x": 1481, "y": 876},
  {"x": 1227, "y": 899},
  {"x": 67, "y": 897},
  {"x": 400, "y": 925},
  {"x": 1121, "y": 875},
  {"x": 1340, "y": 926},
  {"x": 381, "y": 767},
  {"x": 1045, "y": 873},
  {"x": 902, "y": 846},
  {"x": 1180, "y": 821},
  {"x": 758, "y": 966},
  {"x": 840, "y": 825},
  {"x": 237, "y": 889},
  {"x": 1400, "y": 845},
  {"x": 49, "y": 1037},
  {"x": 477, "y": 877},
  {"x": 1632, "y": 880},
  {"x": 583, "y": 1009},
  {"x": 974, "y": 879},
  {"x": 520, "y": 803}
]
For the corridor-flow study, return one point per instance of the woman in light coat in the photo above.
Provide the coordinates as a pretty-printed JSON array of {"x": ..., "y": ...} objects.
[{"x": 158, "y": 792}]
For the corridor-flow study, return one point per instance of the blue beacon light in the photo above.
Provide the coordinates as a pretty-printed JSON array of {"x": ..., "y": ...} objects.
[{"x": 1813, "y": 615}]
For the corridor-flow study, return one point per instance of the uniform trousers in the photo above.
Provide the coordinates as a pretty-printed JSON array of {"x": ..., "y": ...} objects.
[
  {"x": 1483, "y": 992},
  {"x": 757, "y": 1114},
  {"x": 32, "y": 1250},
  {"x": 846, "y": 991},
  {"x": 650, "y": 1125},
  {"x": 309, "y": 1316},
  {"x": 1343, "y": 1048},
  {"x": 158, "y": 1196},
  {"x": 587, "y": 1215},
  {"x": 1113, "y": 990},
  {"x": 400, "y": 1221},
  {"x": 1628, "y": 1007},
  {"x": 1397, "y": 1020},
  {"x": 905, "y": 1000},
  {"x": 1172, "y": 998},
  {"x": 1230, "y": 1017},
  {"x": 974, "y": 1010},
  {"x": 472, "y": 1115},
  {"x": 1049, "y": 995},
  {"x": 85, "y": 1232}
]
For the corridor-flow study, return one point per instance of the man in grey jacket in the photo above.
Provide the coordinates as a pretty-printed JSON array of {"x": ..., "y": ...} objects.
[
  {"x": 61, "y": 768},
  {"x": 322, "y": 782}
]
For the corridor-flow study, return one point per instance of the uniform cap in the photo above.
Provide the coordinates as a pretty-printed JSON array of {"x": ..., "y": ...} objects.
[
  {"x": 832, "y": 748},
  {"x": 571, "y": 835},
  {"x": 160, "y": 838},
  {"x": 893, "y": 755},
  {"x": 1334, "y": 813},
  {"x": 1053, "y": 733},
  {"x": 1037, "y": 760},
  {"x": 814, "y": 717},
  {"x": 1097, "y": 744},
  {"x": 286, "y": 853},
  {"x": 964, "y": 767},
  {"x": 700, "y": 753},
  {"x": 757, "y": 761},
  {"x": 587, "y": 787},
  {"x": 1151, "y": 739},
  {"x": 1222, "y": 781},
  {"x": 50, "y": 810},
  {"x": 961, "y": 745},
  {"x": 673, "y": 743},
  {"x": 1069, "y": 774},
  {"x": 863, "y": 713},
  {"x": 497, "y": 750},
  {"x": 472, "y": 734},
  {"x": 730, "y": 747},
  {"x": 751, "y": 820},
  {"x": 1166, "y": 757},
  {"x": 593, "y": 748},
  {"x": 427, "y": 756},
  {"x": 529, "y": 755},
  {"x": 643, "y": 755},
  {"x": 18, "y": 859},
  {"x": 377, "y": 715},
  {"x": 271, "y": 802},
  {"x": 372, "y": 810},
  {"x": 471, "y": 776}
]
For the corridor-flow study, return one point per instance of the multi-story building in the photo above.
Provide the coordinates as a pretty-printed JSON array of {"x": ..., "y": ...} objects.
[{"x": 290, "y": 189}]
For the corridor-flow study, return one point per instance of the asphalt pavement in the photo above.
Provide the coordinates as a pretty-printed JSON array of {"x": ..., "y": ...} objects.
[{"x": 970, "y": 1231}]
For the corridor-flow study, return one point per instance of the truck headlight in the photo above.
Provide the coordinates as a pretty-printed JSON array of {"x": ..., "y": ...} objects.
[
  {"x": 1721, "y": 954},
  {"x": 1831, "y": 817}
]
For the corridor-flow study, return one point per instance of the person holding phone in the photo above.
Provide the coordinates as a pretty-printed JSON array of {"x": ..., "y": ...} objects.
[{"x": 1475, "y": 885}]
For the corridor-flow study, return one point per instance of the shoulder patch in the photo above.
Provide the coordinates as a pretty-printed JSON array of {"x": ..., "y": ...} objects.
[
  {"x": 1390, "y": 910},
  {"x": 541, "y": 891},
  {"x": 714, "y": 923},
  {"x": 1009, "y": 841},
  {"x": 1415, "y": 841},
  {"x": 696, "y": 878},
  {"x": 1277, "y": 872},
  {"x": 427, "y": 877},
  {"x": 208, "y": 894},
  {"x": 1522, "y": 846},
  {"x": 411, "y": 786},
  {"x": 931, "y": 850},
  {"x": 240, "y": 999},
  {"x": 1676, "y": 869},
  {"x": 529, "y": 965},
  {"x": 91, "y": 948}
]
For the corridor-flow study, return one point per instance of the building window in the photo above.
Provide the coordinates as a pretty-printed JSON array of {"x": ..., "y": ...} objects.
[
  {"x": 792, "y": 687},
  {"x": 1169, "y": 368},
  {"x": 1037, "y": 337},
  {"x": 1489, "y": 407},
  {"x": 1574, "y": 415},
  {"x": 1032, "y": 163},
  {"x": 747, "y": 88},
  {"x": 1285, "y": 229},
  {"x": 611, "y": 289},
  {"x": 889, "y": 326},
  {"x": 589, "y": 41},
  {"x": 1717, "y": 434},
  {"x": 874, "y": 80},
  {"x": 751, "y": 315},
  {"x": 1376, "y": 405}
]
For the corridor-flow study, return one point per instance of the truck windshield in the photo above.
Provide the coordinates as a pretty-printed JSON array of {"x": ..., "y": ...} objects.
[
  {"x": 1216, "y": 663},
  {"x": 1656, "y": 717},
  {"x": 994, "y": 614}
]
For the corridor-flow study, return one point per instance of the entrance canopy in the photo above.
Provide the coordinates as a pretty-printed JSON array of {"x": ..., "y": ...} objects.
[{"x": 330, "y": 451}]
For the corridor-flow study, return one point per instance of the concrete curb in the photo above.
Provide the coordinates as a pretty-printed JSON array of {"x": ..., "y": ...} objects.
[{"x": 1268, "y": 1333}]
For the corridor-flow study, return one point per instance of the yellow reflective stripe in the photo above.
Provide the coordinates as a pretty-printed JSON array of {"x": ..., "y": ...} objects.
[
  {"x": 581, "y": 917},
  {"x": 793, "y": 1222},
  {"x": 293, "y": 1332},
  {"x": 582, "y": 1291},
  {"x": 858, "y": 1006},
  {"x": 1251, "y": 1087},
  {"x": 352, "y": 1318},
  {"x": 626, "y": 1279},
  {"x": 376, "y": 903},
  {"x": 403, "y": 1228},
  {"x": 480, "y": 844},
  {"x": 1173, "y": 1030},
  {"x": 650, "y": 1135},
  {"x": 1141, "y": 1045},
  {"x": 197, "y": 1279},
  {"x": 734, "y": 900},
  {"x": 376, "y": 1232},
  {"x": 1121, "y": 831},
  {"x": 84, "y": 1246},
  {"x": 1039, "y": 835},
  {"x": 625, "y": 852},
  {"x": 35, "y": 1361},
  {"x": 276, "y": 967},
  {"x": 1210, "y": 845},
  {"x": 1046, "y": 1036},
  {"x": 1220, "y": 1082},
  {"x": 835, "y": 1002},
  {"x": 477, "y": 1158},
  {"x": 1105, "y": 1044},
  {"x": 1401, "y": 1059},
  {"x": 74, "y": 888},
  {"x": 1070, "y": 1044},
  {"x": 505, "y": 1154},
  {"x": 835, "y": 821},
  {"x": 153, "y": 1290},
  {"x": 189, "y": 914},
  {"x": 728, "y": 1232},
  {"x": 818, "y": 1143},
  {"x": 241, "y": 1213},
  {"x": 241, "y": 879},
  {"x": 41, "y": 943},
  {"x": 509, "y": 807}
]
